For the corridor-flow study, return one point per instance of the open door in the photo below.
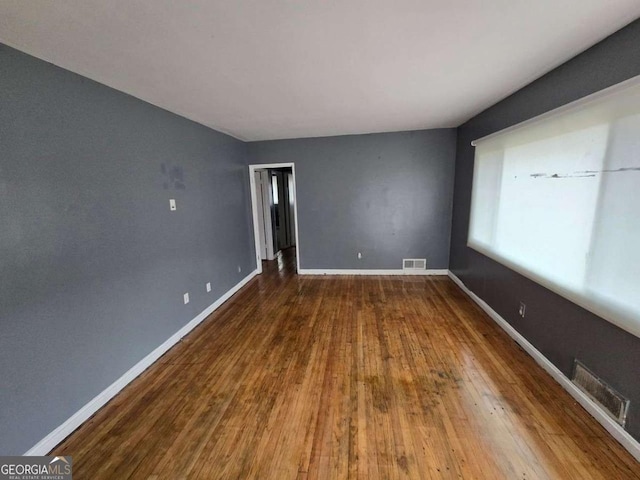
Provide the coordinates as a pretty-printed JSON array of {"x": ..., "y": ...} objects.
[
  {"x": 284, "y": 213},
  {"x": 264, "y": 204},
  {"x": 274, "y": 209}
]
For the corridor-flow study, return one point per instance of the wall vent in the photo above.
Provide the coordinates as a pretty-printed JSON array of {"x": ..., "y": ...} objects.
[
  {"x": 606, "y": 397},
  {"x": 414, "y": 264}
]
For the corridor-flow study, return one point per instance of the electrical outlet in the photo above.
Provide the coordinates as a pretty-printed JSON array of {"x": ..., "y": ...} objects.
[
  {"x": 186, "y": 298},
  {"x": 172, "y": 204},
  {"x": 359, "y": 256},
  {"x": 208, "y": 286},
  {"x": 522, "y": 309}
]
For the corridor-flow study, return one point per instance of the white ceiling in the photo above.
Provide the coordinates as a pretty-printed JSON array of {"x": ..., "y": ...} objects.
[{"x": 266, "y": 69}]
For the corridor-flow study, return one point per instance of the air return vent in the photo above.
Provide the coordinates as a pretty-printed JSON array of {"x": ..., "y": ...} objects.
[
  {"x": 414, "y": 264},
  {"x": 611, "y": 401}
]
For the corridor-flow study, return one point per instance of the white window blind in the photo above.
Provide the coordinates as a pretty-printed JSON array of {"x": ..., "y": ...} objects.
[{"x": 557, "y": 198}]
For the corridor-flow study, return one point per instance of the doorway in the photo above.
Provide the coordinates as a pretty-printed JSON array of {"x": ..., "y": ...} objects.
[{"x": 275, "y": 213}]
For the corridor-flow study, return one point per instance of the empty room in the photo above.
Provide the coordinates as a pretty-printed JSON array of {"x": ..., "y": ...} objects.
[{"x": 319, "y": 240}]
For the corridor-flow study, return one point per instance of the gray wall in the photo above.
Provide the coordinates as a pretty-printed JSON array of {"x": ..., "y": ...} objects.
[
  {"x": 561, "y": 330},
  {"x": 388, "y": 196},
  {"x": 93, "y": 264}
]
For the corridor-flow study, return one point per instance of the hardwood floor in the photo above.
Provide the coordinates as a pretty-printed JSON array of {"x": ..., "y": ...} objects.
[{"x": 345, "y": 377}]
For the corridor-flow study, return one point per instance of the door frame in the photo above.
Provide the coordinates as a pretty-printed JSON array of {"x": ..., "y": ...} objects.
[{"x": 254, "y": 208}]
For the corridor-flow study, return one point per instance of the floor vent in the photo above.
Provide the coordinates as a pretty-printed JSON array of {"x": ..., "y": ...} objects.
[
  {"x": 414, "y": 264},
  {"x": 611, "y": 401}
]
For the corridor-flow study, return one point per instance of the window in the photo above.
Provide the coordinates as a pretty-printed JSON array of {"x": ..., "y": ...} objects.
[{"x": 557, "y": 199}]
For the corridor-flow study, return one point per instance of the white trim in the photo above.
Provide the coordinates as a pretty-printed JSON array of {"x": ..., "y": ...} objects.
[
  {"x": 256, "y": 233},
  {"x": 338, "y": 271},
  {"x": 295, "y": 215},
  {"x": 49, "y": 442},
  {"x": 616, "y": 431},
  {"x": 254, "y": 215}
]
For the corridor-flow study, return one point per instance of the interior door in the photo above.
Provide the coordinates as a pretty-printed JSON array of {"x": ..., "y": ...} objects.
[
  {"x": 260, "y": 206},
  {"x": 291, "y": 209},
  {"x": 267, "y": 225}
]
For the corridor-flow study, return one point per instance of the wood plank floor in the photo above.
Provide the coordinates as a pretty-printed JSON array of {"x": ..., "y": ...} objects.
[{"x": 345, "y": 377}]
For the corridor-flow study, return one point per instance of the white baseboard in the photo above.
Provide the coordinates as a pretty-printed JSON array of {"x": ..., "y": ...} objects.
[
  {"x": 45, "y": 445},
  {"x": 616, "y": 431},
  {"x": 312, "y": 271}
]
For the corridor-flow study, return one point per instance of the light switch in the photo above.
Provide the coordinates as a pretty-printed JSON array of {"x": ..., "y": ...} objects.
[
  {"x": 208, "y": 286},
  {"x": 172, "y": 204},
  {"x": 186, "y": 298}
]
